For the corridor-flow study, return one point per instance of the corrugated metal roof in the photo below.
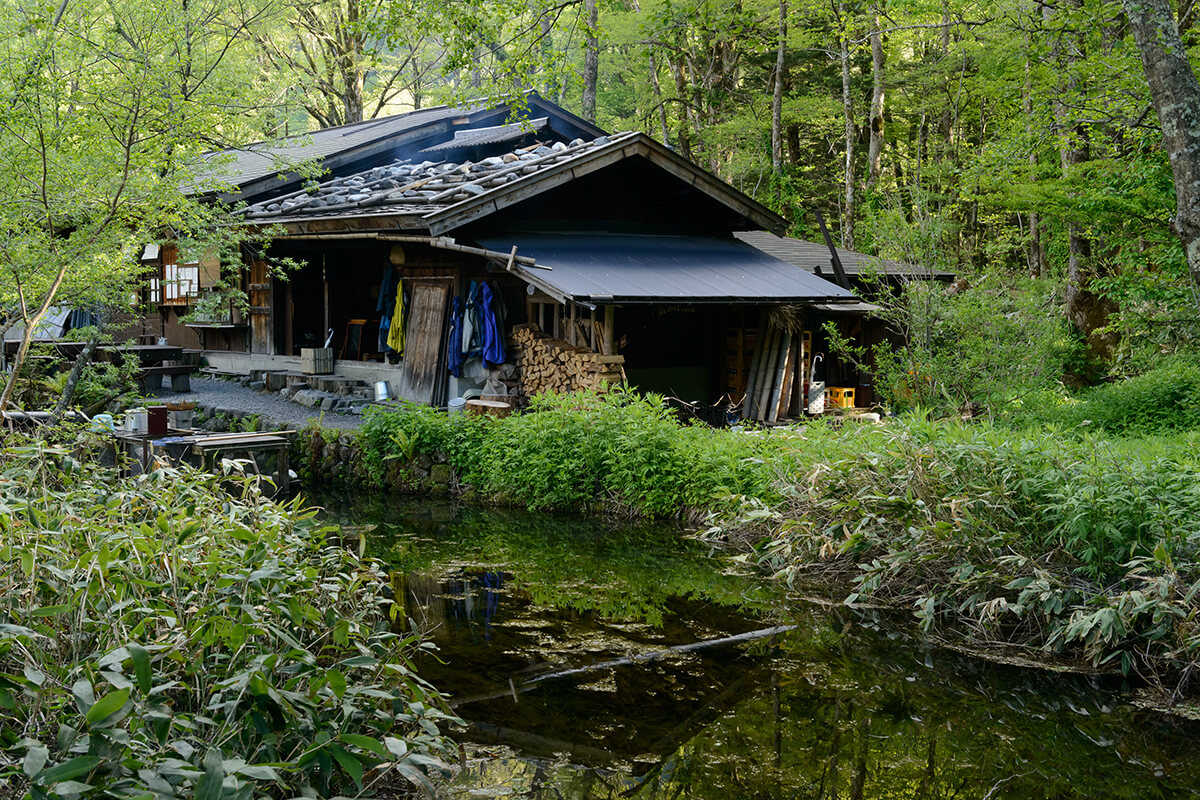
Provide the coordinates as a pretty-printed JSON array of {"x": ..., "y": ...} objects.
[
  {"x": 242, "y": 165},
  {"x": 847, "y": 308},
  {"x": 814, "y": 257},
  {"x": 613, "y": 268},
  {"x": 493, "y": 134}
]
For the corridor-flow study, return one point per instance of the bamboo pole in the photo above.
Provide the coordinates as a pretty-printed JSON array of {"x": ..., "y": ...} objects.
[
  {"x": 760, "y": 344},
  {"x": 787, "y": 372}
]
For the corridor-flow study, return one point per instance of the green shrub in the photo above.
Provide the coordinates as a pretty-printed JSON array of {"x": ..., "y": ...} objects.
[
  {"x": 1163, "y": 400},
  {"x": 618, "y": 450},
  {"x": 1034, "y": 536},
  {"x": 160, "y": 637}
]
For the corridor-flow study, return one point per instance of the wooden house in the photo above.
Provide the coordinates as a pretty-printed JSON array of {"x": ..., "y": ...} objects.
[{"x": 607, "y": 256}]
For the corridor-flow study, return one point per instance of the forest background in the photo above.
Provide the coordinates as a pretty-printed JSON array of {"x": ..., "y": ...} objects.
[{"x": 1017, "y": 144}]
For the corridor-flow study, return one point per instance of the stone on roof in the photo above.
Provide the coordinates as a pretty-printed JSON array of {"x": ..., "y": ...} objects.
[{"x": 405, "y": 187}]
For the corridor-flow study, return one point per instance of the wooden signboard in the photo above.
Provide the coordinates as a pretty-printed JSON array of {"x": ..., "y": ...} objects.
[{"x": 424, "y": 367}]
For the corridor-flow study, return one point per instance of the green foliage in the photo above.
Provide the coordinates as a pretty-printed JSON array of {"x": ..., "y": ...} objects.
[
  {"x": 160, "y": 637},
  {"x": 986, "y": 345},
  {"x": 1034, "y": 537},
  {"x": 106, "y": 382},
  {"x": 1163, "y": 400},
  {"x": 618, "y": 450}
]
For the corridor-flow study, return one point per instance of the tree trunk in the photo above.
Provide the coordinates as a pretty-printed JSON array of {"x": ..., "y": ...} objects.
[
  {"x": 1086, "y": 310},
  {"x": 777, "y": 96},
  {"x": 81, "y": 361},
  {"x": 658, "y": 98},
  {"x": 1176, "y": 95},
  {"x": 1036, "y": 251},
  {"x": 31, "y": 325},
  {"x": 878, "y": 76},
  {"x": 591, "y": 62},
  {"x": 848, "y": 112},
  {"x": 353, "y": 96},
  {"x": 685, "y": 116}
]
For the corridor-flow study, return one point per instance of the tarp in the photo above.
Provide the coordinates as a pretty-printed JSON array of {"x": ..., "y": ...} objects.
[
  {"x": 610, "y": 268},
  {"x": 51, "y": 326}
]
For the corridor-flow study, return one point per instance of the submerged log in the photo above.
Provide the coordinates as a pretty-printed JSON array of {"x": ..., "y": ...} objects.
[{"x": 643, "y": 658}]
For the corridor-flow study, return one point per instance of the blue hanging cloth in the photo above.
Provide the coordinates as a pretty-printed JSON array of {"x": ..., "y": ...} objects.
[
  {"x": 493, "y": 337},
  {"x": 384, "y": 306},
  {"x": 472, "y": 344},
  {"x": 455, "y": 358}
]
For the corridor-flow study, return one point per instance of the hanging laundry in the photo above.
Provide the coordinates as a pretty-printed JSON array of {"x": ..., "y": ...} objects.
[
  {"x": 384, "y": 306},
  {"x": 395, "y": 339},
  {"x": 493, "y": 335},
  {"x": 472, "y": 344},
  {"x": 501, "y": 306},
  {"x": 455, "y": 359}
]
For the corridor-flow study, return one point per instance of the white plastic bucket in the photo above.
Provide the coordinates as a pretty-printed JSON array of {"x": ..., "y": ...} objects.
[
  {"x": 816, "y": 397},
  {"x": 137, "y": 421}
]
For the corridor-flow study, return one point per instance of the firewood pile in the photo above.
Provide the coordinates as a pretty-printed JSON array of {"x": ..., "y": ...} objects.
[{"x": 552, "y": 365}]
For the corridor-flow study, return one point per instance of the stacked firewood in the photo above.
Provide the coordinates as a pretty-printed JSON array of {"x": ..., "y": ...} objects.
[{"x": 552, "y": 365}]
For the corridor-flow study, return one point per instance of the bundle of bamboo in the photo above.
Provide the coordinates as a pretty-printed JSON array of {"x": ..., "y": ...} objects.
[{"x": 775, "y": 386}]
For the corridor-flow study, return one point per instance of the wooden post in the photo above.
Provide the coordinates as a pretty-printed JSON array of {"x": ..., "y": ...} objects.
[
  {"x": 325, "y": 289},
  {"x": 572, "y": 334},
  {"x": 609, "y": 335},
  {"x": 592, "y": 329}
]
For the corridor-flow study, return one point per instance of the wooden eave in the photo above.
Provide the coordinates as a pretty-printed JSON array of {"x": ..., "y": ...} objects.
[{"x": 621, "y": 148}]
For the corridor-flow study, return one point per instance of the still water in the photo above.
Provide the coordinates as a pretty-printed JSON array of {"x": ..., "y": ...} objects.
[{"x": 581, "y": 654}]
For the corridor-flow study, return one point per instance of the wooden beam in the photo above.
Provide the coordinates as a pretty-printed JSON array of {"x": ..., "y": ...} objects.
[{"x": 610, "y": 347}]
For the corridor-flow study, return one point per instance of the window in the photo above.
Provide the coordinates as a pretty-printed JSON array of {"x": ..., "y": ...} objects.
[{"x": 180, "y": 282}]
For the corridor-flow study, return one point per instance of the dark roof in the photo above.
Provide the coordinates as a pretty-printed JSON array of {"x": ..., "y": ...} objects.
[
  {"x": 814, "y": 257},
  {"x": 419, "y": 189},
  {"x": 440, "y": 196},
  {"x": 239, "y": 166},
  {"x": 262, "y": 168},
  {"x": 494, "y": 134},
  {"x": 622, "y": 268}
]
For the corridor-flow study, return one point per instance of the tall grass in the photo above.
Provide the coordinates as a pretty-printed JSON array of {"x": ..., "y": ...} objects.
[
  {"x": 1073, "y": 544},
  {"x": 161, "y": 637}
]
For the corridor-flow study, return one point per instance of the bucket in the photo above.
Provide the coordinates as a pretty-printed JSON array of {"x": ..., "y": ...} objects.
[
  {"x": 382, "y": 391},
  {"x": 456, "y": 405},
  {"x": 103, "y": 423},
  {"x": 180, "y": 420},
  {"x": 136, "y": 421},
  {"x": 816, "y": 397}
]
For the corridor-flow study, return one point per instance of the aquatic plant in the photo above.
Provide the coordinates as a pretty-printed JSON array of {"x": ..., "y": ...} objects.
[{"x": 162, "y": 637}]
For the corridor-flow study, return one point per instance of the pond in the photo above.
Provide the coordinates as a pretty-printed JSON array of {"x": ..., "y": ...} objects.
[{"x": 595, "y": 659}]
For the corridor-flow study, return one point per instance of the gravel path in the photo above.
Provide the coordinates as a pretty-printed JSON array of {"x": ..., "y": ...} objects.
[{"x": 216, "y": 394}]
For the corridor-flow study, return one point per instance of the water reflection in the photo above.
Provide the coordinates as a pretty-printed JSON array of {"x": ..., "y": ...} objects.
[{"x": 570, "y": 647}]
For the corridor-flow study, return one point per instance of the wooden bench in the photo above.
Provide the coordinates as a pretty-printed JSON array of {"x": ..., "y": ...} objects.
[{"x": 181, "y": 377}]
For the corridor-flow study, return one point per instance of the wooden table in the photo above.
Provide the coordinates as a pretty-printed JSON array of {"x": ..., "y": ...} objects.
[
  {"x": 176, "y": 445},
  {"x": 148, "y": 354}
]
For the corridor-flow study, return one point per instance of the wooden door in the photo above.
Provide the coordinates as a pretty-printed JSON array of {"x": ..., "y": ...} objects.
[
  {"x": 262, "y": 311},
  {"x": 424, "y": 359}
]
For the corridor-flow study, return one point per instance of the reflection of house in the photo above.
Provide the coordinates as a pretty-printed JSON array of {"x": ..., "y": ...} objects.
[{"x": 612, "y": 244}]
